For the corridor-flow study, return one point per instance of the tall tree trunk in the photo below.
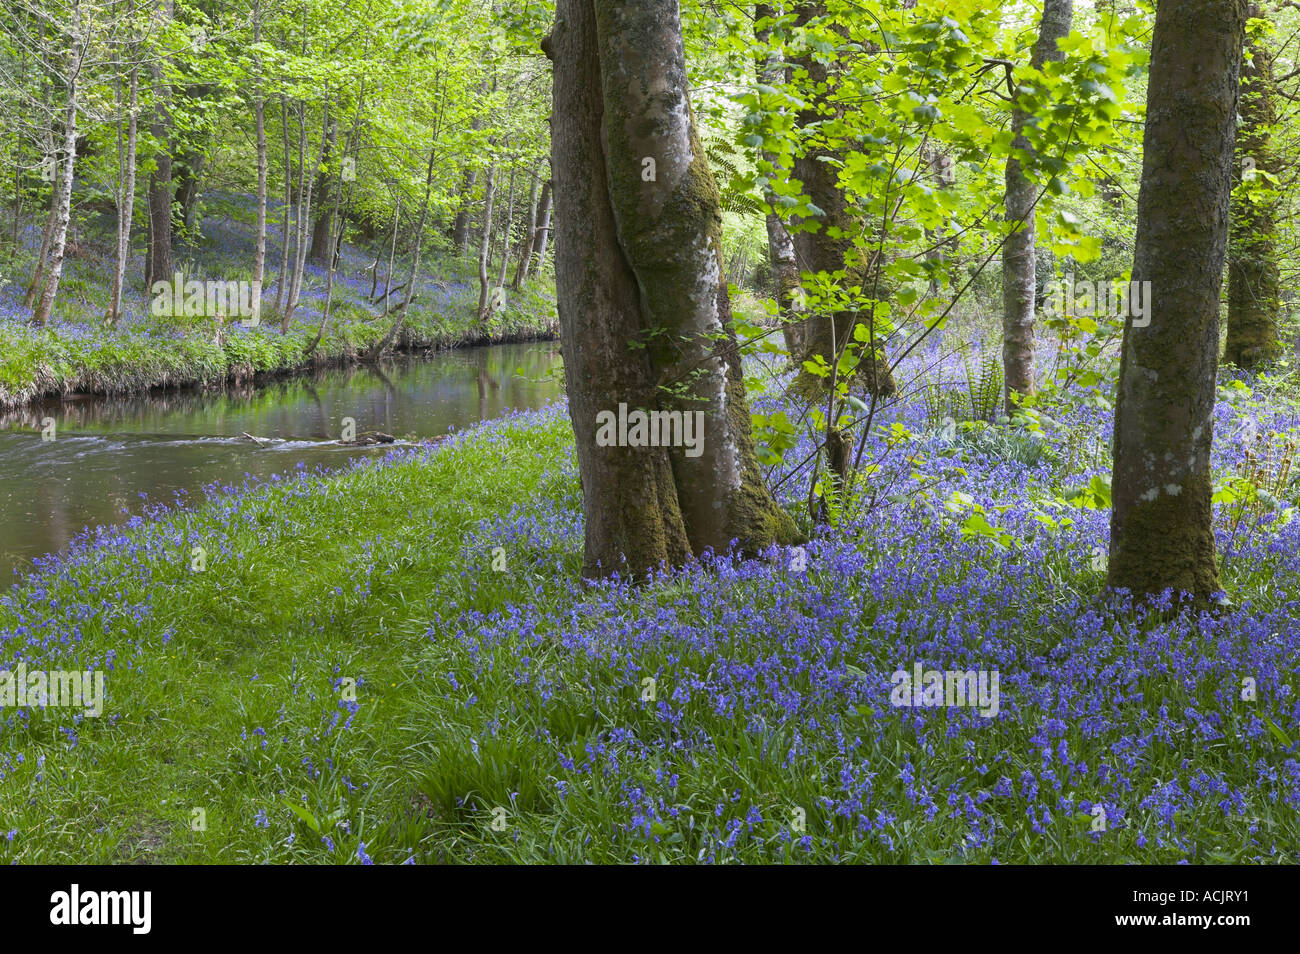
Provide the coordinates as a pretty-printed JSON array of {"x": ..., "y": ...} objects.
[
  {"x": 460, "y": 225},
  {"x": 485, "y": 249},
  {"x": 1254, "y": 282},
  {"x": 158, "y": 260},
  {"x": 188, "y": 170},
  {"x": 47, "y": 234},
  {"x": 543, "y": 228},
  {"x": 634, "y": 256},
  {"x": 259, "y": 118},
  {"x": 526, "y": 252},
  {"x": 322, "y": 230},
  {"x": 1161, "y": 531},
  {"x": 126, "y": 194},
  {"x": 54, "y": 265},
  {"x": 830, "y": 248},
  {"x": 506, "y": 227},
  {"x": 632, "y": 522},
  {"x": 1018, "y": 252},
  {"x": 306, "y": 181},
  {"x": 282, "y": 282},
  {"x": 780, "y": 244}
]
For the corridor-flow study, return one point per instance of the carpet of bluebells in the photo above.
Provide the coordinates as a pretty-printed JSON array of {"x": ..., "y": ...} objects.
[
  {"x": 77, "y": 352},
  {"x": 358, "y": 677}
]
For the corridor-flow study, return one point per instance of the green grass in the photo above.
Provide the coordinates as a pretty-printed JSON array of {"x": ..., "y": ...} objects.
[{"x": 470, "y": 682}]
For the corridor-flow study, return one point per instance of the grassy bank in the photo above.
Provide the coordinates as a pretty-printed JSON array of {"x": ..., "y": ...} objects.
[{"x": 736, "y": 712}]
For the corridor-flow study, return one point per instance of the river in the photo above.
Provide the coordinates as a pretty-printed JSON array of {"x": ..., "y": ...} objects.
[{"x": 105, "y": 457}]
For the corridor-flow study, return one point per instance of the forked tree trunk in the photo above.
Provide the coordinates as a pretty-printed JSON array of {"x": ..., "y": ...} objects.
[
  {"x": 1161, "y": 530},
  {"x": 526, "y": 250},
  {"x": 634, "y": 255},
  {"x": 1018, "y": 252},
  {"x": 1254, "y": 281}
]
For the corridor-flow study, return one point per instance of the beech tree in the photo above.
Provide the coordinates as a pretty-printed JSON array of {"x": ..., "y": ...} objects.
[
  {"x": 642, "y": 297},
  {"x": 1161, "y": 527}
]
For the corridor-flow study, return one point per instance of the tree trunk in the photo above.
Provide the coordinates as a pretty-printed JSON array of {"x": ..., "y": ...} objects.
[
  {"x": 323, "y": 229},
  {"x": 506, "y": 229},
  {"x": 634, "y": 256},
  {"x": 47, "y": 236},
  {"x": 1161, "y": 531},
  {"x": 780, "y": 244},
  {"x": 543, "y": 228},
  {"x": 485, "y": 249},
  {"x": 158, "y": 260},
  {"x": 1254, "y": 282},
  {"x": 526, "y": 253},
  {"x": 1018, "y": 252},
  {"x": 54, "y": 264},
  {"x": 259, "y": 117},
  {"x": 282, "y": 282},
  {"x": 126, "y": 195},
  {"x": 827, "y": 335}
]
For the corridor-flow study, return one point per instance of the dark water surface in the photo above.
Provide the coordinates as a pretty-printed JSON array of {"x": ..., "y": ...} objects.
[{"x": 107, "y": 452}]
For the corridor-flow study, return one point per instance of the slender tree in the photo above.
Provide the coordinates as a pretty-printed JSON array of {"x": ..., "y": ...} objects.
[{"x": 1018, "y": 260}]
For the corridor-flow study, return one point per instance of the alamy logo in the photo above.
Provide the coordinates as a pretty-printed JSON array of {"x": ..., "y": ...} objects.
[
  {"x": 209, "y": 299},
  {"x": 651, "y": 429},
  {"x": 102, "y": 907},
  {"x": 946, "y": 688},
  {"x": 1107, "y": 299},
  {"x": 57, "y": 687}
]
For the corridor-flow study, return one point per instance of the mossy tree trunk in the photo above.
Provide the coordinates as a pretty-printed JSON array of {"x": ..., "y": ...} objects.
[
  {"x": 1254, "y": 283},
  {"x": 1161, "y": 523},
  {"x": 644, "y": 314},
  {"x": 831, "y": 248},
  {"x": 1018, "y": 260}
]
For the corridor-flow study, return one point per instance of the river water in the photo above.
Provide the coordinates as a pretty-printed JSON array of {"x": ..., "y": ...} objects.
[{"x": 108, "y": 456}]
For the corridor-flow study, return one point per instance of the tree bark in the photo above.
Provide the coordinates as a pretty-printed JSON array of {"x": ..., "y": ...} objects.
[
  {"x": 1161, "y": 531},
  {"x": 485, "y": 249},
  {"x": 543, "y": 228},
  {"x": 282, "y": 281},
  {"x": 645, "y": 319},
  {"x": 780, "y": 244},
  {"x": 58, "y": 243},
  {"x": 827, "y": 335},
  {"x": 323, "y": 228},
  {"x": 1018, "y": 252},
  {"x": 1254, "y": 281},
  {"x": 259, "y": 118},
  {"x": 126, "y": 193},
  {"x": 632, "y": 522},
  {"x": 526, "y": 252},
  {"x": 158, "y": 264}
]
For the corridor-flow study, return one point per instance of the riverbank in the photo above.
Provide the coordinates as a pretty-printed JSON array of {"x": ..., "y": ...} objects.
[
  {"x": 396, "y": 663},
  {"x": 76, "y": 354},
  {"x": 69, "y": 358}
]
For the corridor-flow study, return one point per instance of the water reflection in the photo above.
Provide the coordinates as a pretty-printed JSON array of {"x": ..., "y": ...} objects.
[{"x": 108, "y": 452}]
